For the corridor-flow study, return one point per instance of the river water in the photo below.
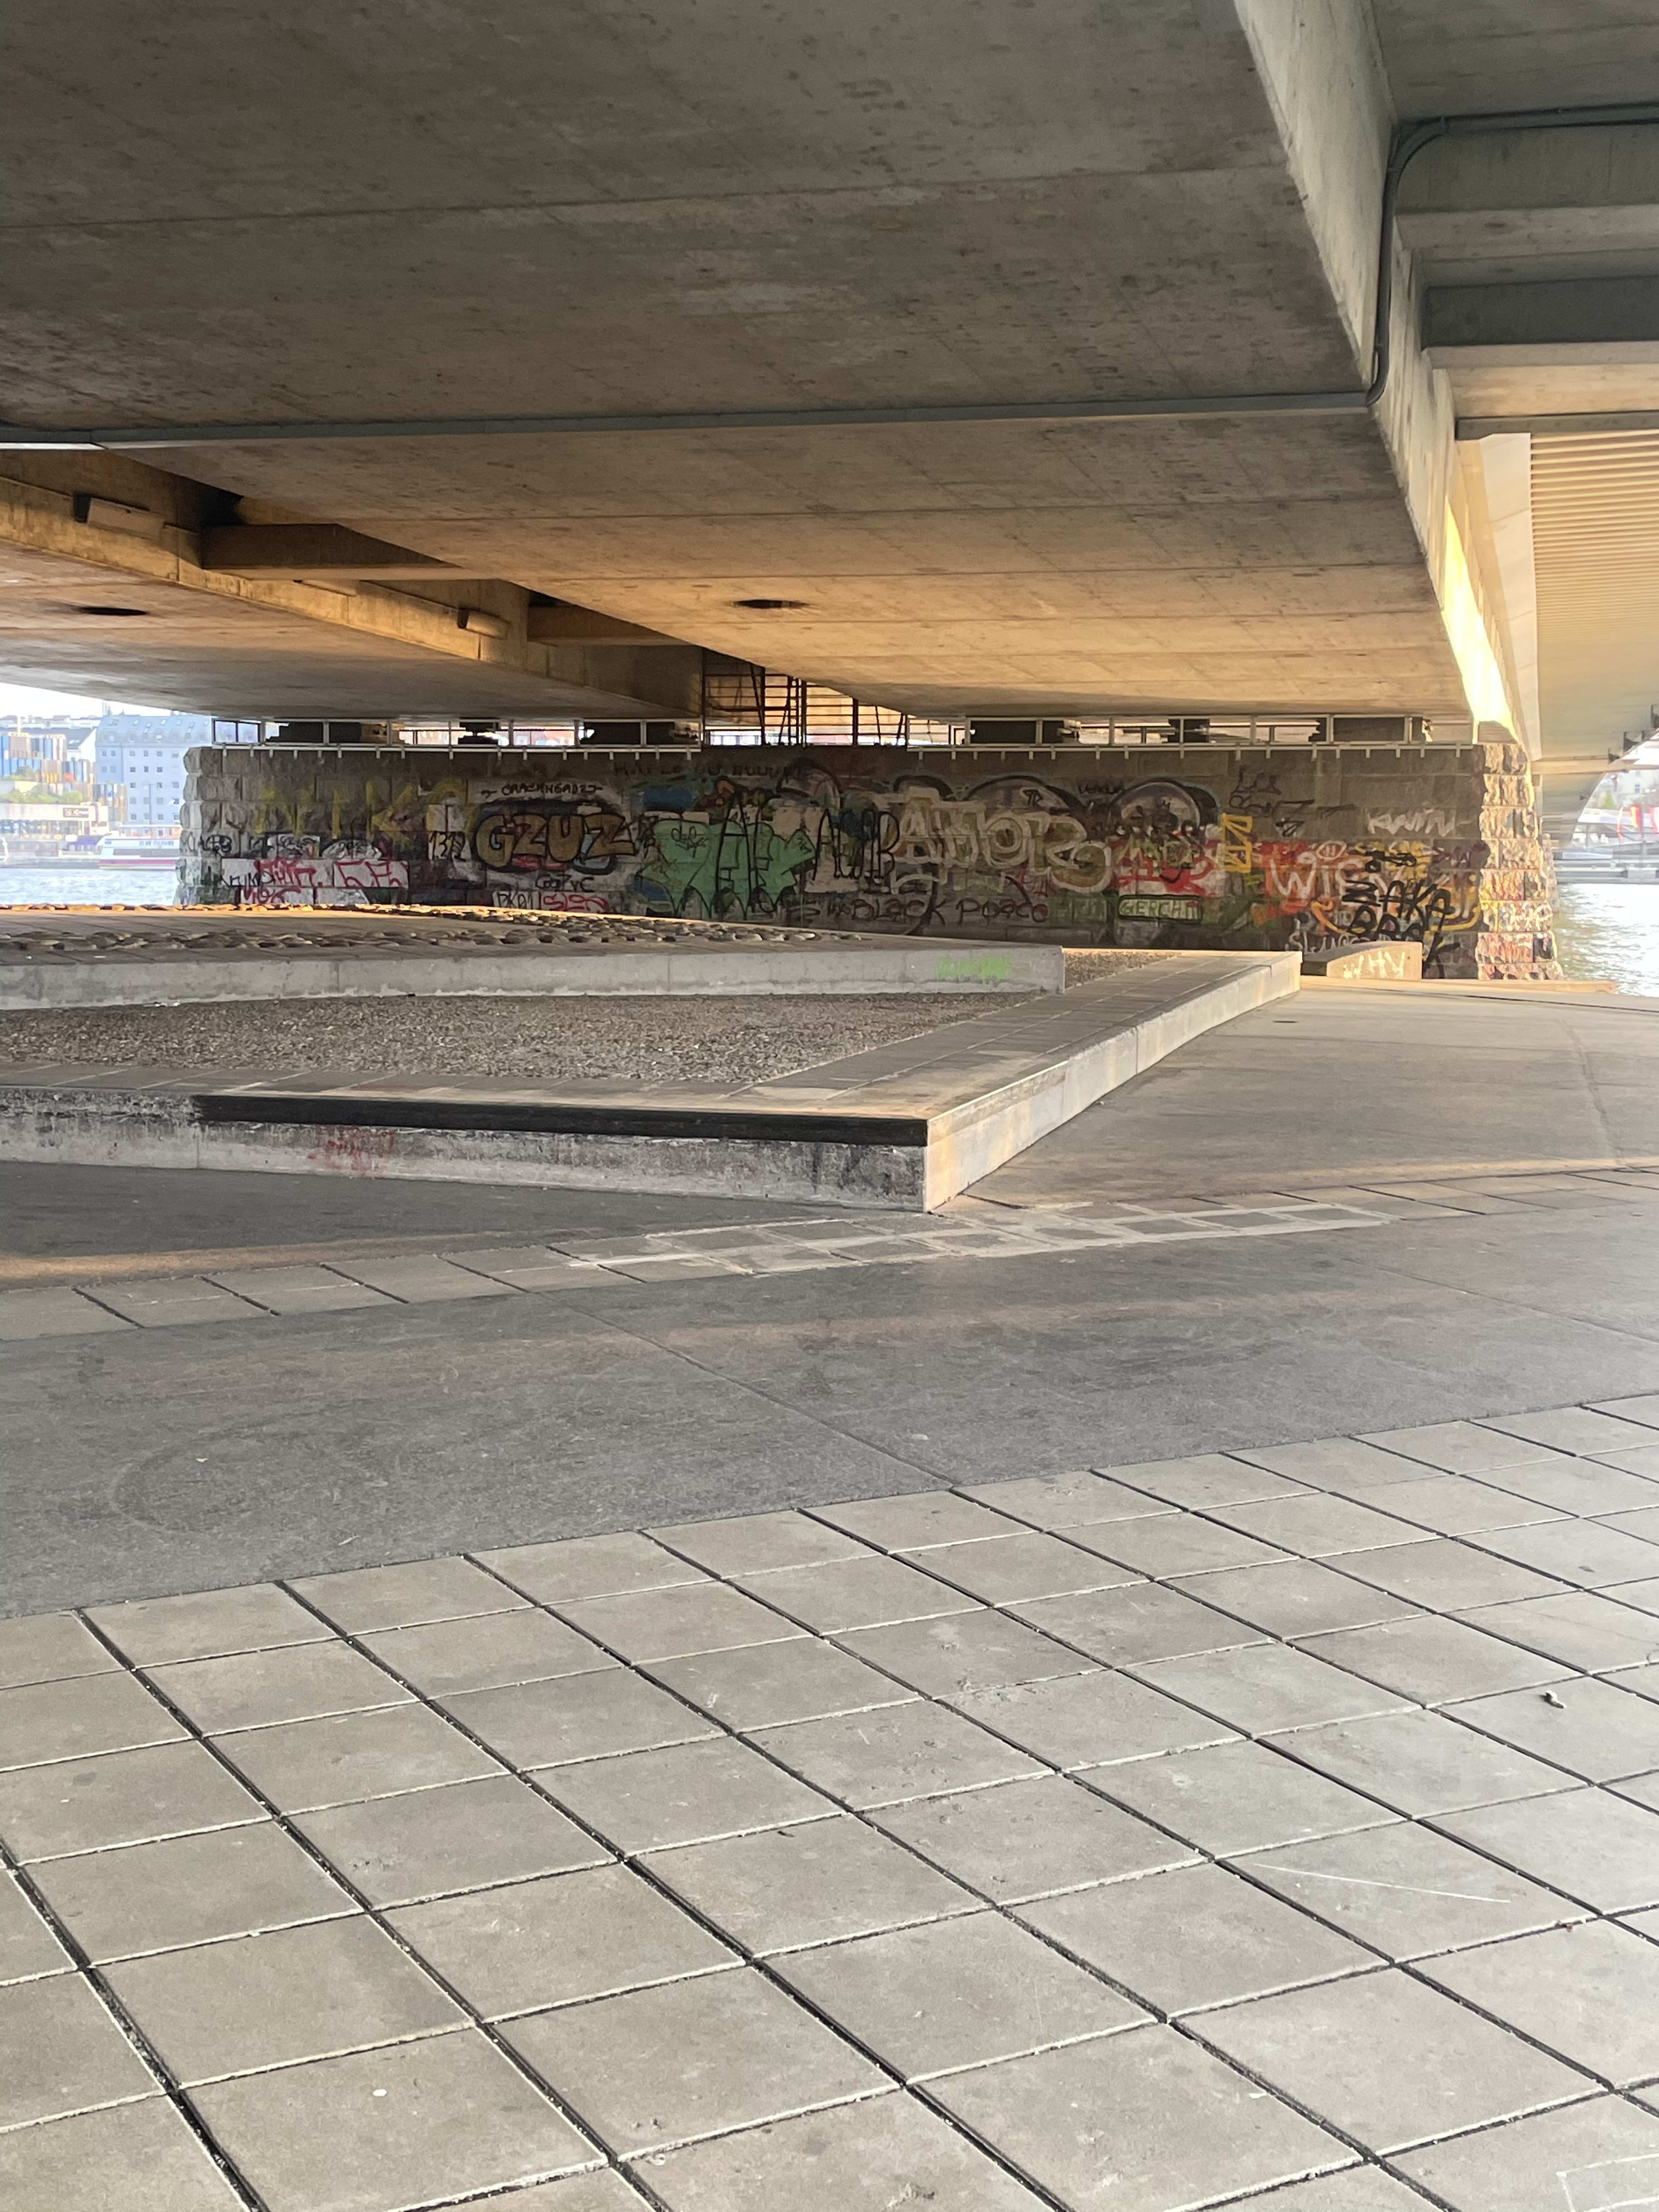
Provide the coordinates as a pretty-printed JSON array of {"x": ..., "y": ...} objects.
[{"x": 1601, "y": 929}]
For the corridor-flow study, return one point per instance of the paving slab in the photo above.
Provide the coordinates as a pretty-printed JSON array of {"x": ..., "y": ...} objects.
[
  {"x": 1020, "y": 1840},
  {"x": 1142, "y": 2122},
  {"x": 1588, "y": 1993},
  {"x": 1421, "y": 1763},
  {"x": 568, "y": 1937},
  {"x": 259, "y": 1618},
  {"x": 301, "y": 1289},
  {"x": 169, "y": 1302},
  {"x": 1389, "y": 2061},
  {"x": 275, "y": 1998},
  {"x": 346, "y": 1756},
  {"x": 539, "y": 1724},
  {"x": 895, "y": 1754},
  {"x": 1598, "y": 2153},
  {"x": 658, "y": 2067},
  {"x": 119, "y": 1797},
  {"x": 439, "y": 1658},
  {"x": 1590, "y": 1727},
  {"x": 188, "y": 1890},
  {"x": 296, "y": 1682},
  {"x": 690, "y": 1793},
  {"x": 962, "y": 1653},
  {"x": 1600, "y": 1850},
  {"x": 368, "y": 1598},
  {"x": 1236, "y": 1797},
  {"x": 36, "y": 1313},
  {"x": 143, "y": 2157},
  {"x": 955, "y": 1993},
  {"x": 459, "y": 1836},
  {"x": 1194, "y": 1937},
  {"x": 50, "y": 1647},
  {"x": 28, "y": 1948},
  {"x": 1406, "y": 1890},
  {"x": 870, "y": 2156},
  {"x": 41, "y": 1721},
  {"x": 1094, "y": 1718},
  {"x": 764, "y": 1683},
  {"x": 61, "y": 2051},
  {"x": 379, "y": 2130}
]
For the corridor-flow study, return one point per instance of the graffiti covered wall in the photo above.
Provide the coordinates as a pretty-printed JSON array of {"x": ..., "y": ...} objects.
[{"x": 1300, "y": 847}]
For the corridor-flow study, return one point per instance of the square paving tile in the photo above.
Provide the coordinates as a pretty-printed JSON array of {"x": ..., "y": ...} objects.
[
  {"x": 823, "y": 1879},
  {"x": 349, "y": 1756},
  {"x": 61, "y": 2051},
  {"x": 955, "y": 1993},
  {"x": 1461, "y": 1447},
  {"x": 880, "y": 2154},
  {"x": 50, "y": 1647},
  {"x": 1573, "y": 1429},
  {"x": 856, "y": 1594},
  {"x": 1422, "y": 1762},
  {"x": 1388, "y": 2061},
  {"x": 124, "y": 1797},
  {"x": 1590, "y": 2156},
  {"x": 270, "y": 2000},
  {"x": 1601, "y": 1849},
  {"x": 1317, "y": 1525},
  {"x": 964, "y": 1652},
  {"x": 753, "y": 1542},
  {"x": 28, "y": 1946},
  {"x": 1065, "y": 1501},
  {"x": 1296, "y": 1597},
  {"x": 1236, "y": 1797},
  {"x": 1643, "y": 1409},
  {"x": 1144, "y": 2121},
  {"x": 446, "y": 1655},
  {"x": 1444, "y": 1573},
  {"x": 1588, "y": 1993},
  {"x": 687, "y": 1794},
  {"x": 152, "y": 1630},
  {"x": 421, "y": 1279},
  {"x": 1168, "y": 1544},
  {"x": 1579, "y": 1485},
  {"x": 590, "y": 1566},
  {"x": 1090, "y": 1719},
  {"x": 1196, "y": 1936},
  {"x": 1339, "y": 1463},
  {"x": 666, "y": 2065},
  {"x": 1433, "y": 1660},
  {"x": 1265, "y": 1687},
  {"x": 1590, "y": 1726},
  {"x": 764, "y": 1683},
  {"x": 1583, "y": 1629},
  {"x": 604, "y": 2192},
  {"x": 1586, "y": 1552},
  {"x": 1455, "y": 1505},
  {"x": 53, "y": 1311},
  {"x": 557, "y": 1940},
  {"x": 169, "y": 1301},
  {"x": 381, "y": 2130},
  {"x": 666, "y": 1624},
  {"x": 577, "y": 1716},
  {"x": 41, "y": 1721},
  {"x": 189, "y": 1889},
  {"x": 917, "y": 1520},
  {"x": 460, "y": 1836},
  {"x": 301, "y": 1290},
  {"x": 253, "y": 1689},
  {"x": 1406, "y": 1891},
  {"x": 1026, "y": 1839},
  {"x": 1205, "y": 1481},
  {"x": 900, "y": 1752},
  {"x": 1355, "y": 2189},
  {"x": 398, "y": 1597},
  {"x": 999, "y": 1569},
  {"x": 142, "y": 2157},
  {"x": 1140, "y": 1622},
  {"x": 1643, "y": 1594}
]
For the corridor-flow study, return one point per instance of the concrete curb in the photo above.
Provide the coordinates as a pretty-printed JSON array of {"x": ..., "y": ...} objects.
[{"x": 904, "y": 1126}]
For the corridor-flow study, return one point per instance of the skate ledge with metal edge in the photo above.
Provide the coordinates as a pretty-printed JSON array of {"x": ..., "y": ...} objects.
[{"x": 905, "y": 1124}]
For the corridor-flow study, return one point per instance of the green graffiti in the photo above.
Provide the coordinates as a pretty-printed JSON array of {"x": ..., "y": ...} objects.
[
  {"x": 983, "y": 967},
  {"x": 729, "y": 866}
]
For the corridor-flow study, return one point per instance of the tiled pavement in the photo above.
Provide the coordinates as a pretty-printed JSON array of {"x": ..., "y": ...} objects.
[
  {"x": 968, "y": 1229},
  {"x": 1276, "y": 1829}
]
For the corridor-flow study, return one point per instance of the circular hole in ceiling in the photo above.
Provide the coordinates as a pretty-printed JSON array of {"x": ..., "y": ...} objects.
[
  {"x": 768, "y": 606},
  {"x": 121, "y": 611}
]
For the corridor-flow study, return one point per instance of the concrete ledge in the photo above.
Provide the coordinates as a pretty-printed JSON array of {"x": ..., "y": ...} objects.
[
  {"x": 906, "y": 1124},
  {"x": 152, "y": 961},
  {"x": 1391, "y": 960}
]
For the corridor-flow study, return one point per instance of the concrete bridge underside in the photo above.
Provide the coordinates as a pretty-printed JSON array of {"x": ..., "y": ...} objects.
[{"x": 287, "y": 218}]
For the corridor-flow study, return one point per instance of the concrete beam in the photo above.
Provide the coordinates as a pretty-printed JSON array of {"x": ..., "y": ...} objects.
[
  {"x": 569, "y": 625},
  {"x": 307, "y": 550},
  {"x": 1538, "y": 320}
]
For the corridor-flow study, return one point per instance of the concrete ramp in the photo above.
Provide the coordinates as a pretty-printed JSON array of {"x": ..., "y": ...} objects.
[{"x": 906, "y": 1124}]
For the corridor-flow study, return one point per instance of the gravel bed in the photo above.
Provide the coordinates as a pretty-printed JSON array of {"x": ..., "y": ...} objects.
[
  {"x": 727, "y": 1040},
  {"x": 1092, "y": 966}
]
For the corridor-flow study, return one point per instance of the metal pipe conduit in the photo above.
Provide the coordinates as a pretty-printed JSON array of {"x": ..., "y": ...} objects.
[{"x": 1408, "y": 141}]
